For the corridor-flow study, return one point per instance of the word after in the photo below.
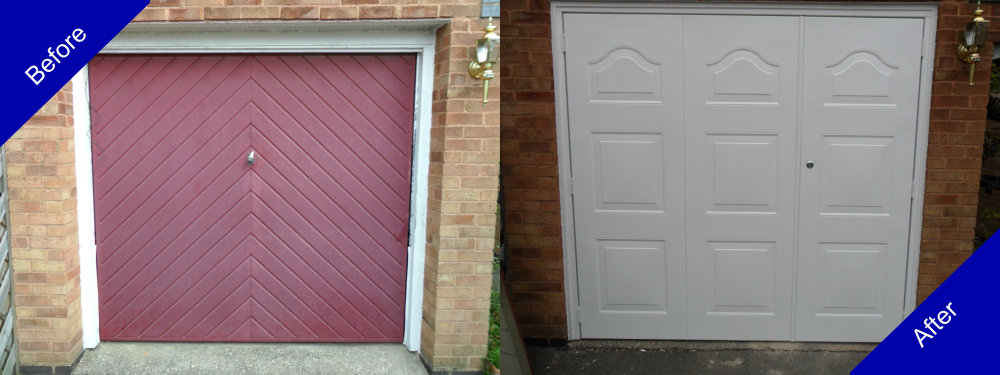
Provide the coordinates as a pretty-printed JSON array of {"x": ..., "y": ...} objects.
[
  {"x": 61, "y": 51},
  {"x": 943, "y": 317}
]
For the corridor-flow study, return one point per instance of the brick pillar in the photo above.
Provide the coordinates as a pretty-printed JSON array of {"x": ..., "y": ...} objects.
[
  {"x": 954, "y": 151},
  {"x": 531, "y": 173},
  {"x": 465, "y": 156},
  {"x": 45, "y": 243}
]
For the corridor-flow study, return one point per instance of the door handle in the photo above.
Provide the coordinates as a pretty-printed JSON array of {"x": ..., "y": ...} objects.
[
  {"x": 250, "y": 158},
  {"x": 809, "y": 164}
]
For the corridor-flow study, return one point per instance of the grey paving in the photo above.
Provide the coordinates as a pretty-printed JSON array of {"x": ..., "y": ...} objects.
[
  {"x": 659, "y": 358},
  {"x": 513, "y": 358},
  {"x": 126, "y": 358}
]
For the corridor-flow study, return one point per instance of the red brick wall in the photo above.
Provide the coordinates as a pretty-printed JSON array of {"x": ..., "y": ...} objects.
[
  {"x": 530, "y": 172},
  {"x": 529, "y": 166},
  {"x": 958, "y": 123}
]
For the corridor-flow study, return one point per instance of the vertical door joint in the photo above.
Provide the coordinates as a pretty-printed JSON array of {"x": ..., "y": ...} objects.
[{"x": 915, "y": 189}]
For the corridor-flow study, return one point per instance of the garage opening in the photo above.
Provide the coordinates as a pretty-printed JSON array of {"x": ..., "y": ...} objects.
[
  {"x": 740, "y": 176},
  {"x": 252, "y": 197}
]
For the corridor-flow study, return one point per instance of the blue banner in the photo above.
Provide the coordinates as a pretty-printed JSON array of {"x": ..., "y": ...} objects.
[
  {"x": 950, "y": 332},
  {"x": 47, "y": 43}
]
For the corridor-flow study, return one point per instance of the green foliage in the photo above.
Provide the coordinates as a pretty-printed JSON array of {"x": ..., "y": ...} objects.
[
  {"x": 991, "y": 145},
  {"x": 994, "y": 78},
  {"x": 986, "y": 225},
  {"x": 493, "y": 345}
]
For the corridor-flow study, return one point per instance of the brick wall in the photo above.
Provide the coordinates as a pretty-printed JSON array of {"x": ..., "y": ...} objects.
[
  {"x": 44, "y": 235},
  {"x": 530, "y": 172},
  {"x": 462, "y": 203},
  {"x": 958, "y": 123},
  {"x": 465, "y": 156},
  {"x": 532, "y": 227}
]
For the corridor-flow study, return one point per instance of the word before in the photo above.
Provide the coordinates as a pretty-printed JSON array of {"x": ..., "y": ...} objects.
[
  {"x": 61, "y": 51},
  {"x": 943, "y": 317}
]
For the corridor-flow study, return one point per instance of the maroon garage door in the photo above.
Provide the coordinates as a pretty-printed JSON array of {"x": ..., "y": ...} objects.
[{"x": 307, "y": 243}]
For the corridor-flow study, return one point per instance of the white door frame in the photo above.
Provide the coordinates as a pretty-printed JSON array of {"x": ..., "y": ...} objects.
[
  {"x": 394, "y": 36},
  {"x": 927, "y": 12}
]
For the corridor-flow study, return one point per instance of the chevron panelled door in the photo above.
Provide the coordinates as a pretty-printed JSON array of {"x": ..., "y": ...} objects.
[{"x": 255, "y": 198}]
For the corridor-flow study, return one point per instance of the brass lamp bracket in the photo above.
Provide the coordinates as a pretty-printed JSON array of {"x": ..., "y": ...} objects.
[
  {"x": 974, "y": 39},
  {"x": 487, "y": 54},
  {"x": 477, "y": 70}
]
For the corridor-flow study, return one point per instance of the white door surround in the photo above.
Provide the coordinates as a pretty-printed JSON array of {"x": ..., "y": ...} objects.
[
  {"x": 927, "y": 14},
  {"x": 385, "y": 36}
]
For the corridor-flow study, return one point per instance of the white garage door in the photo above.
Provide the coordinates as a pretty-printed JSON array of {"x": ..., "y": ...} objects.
[{"x": 741, "y": 177}]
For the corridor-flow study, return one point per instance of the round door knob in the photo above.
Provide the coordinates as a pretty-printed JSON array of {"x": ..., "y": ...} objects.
[{"x": 809, "y": 164}]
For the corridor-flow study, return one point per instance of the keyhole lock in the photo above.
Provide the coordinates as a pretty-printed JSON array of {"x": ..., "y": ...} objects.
[
  {"x": 250, "y": 158},
  {"x": 809, "y": 164}
]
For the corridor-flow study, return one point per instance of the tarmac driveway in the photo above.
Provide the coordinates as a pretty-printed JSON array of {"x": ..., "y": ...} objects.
[{"x": 697, "y": 358}]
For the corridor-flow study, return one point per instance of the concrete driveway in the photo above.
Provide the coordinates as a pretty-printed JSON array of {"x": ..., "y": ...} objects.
[{"x": 113, "y": 358}]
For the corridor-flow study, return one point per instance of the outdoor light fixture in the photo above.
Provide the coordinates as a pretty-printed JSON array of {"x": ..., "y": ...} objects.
[
  {"x": 487, "y": 54},
  {"x": 975, "y": 38}
]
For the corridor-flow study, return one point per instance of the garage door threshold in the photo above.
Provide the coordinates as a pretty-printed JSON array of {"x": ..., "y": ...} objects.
[
  {"x": 775, "y": 346},
  {"x": 237, "y": 358}
]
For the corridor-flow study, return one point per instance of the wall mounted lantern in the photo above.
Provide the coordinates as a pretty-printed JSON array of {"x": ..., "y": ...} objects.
[
  {"x": 487, "y": 54},
  {"x": 975, "y": 38}
]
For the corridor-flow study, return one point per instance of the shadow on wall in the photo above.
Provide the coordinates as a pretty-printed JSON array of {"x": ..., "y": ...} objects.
[{"x": 988, "y": 215}]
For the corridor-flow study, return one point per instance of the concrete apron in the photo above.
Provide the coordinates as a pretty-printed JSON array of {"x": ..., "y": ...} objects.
[
  {"x": 725, "y": 345},
  {"x": 235, "y": 358}
]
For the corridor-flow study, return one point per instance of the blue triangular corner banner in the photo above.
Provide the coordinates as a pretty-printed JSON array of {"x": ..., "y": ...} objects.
[
  {"x": 46, "y": 44},
  {"x": 952, "y": 331}
]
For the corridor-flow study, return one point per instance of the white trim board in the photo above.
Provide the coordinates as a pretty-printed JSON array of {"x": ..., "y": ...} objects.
[
  {"x": 396, "y": 36},
  {"x": 85, "y": 209},
  {"x": 927, "y": 12}
]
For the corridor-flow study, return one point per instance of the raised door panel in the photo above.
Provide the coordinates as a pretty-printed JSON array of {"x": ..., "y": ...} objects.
[
  {"x": 740, "y": 125},
  {"x": 859, "y": 120},
  {"x": 628, "y": 169},
  {"x": 625, "y": 75},
  {"x": 743, "y": 174},
  {"x": 742, "y": 279},
  {"x": 624, "y": 85},
  {"x": 628, "y": 268},
  {"x": 857, "y": 173}
]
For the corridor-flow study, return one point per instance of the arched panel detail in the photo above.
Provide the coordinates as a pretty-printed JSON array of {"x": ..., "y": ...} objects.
[
  {"x": 862, "y": 73},
  {"x": 625, "y": 75},
  {"x": 862, "y": 77},
  {"x": 743, "y": 75}
]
